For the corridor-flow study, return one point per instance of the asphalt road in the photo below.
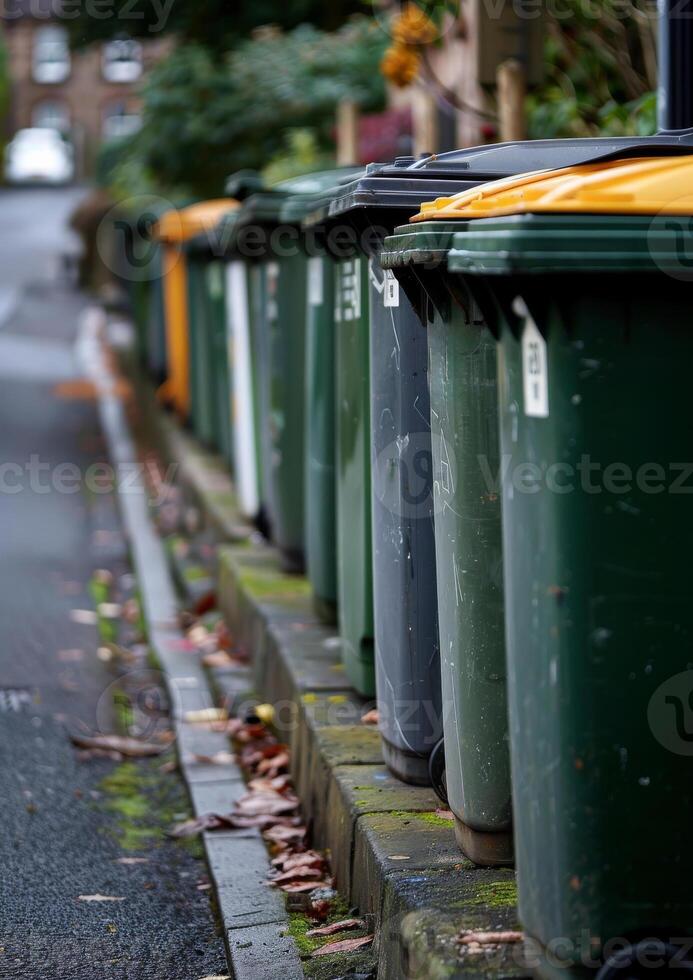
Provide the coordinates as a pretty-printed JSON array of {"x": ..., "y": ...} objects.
[{"x": 67, "y": 824}]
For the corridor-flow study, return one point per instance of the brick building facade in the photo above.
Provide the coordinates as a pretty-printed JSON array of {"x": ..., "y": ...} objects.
[{"x": 90, "y": 94}]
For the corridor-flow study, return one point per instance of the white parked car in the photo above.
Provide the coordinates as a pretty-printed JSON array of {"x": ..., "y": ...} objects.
[{"x": 39, "y": 156}]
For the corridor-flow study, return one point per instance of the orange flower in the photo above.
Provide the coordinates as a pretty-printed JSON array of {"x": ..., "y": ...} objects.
[
  {"x": 413, "y": 26},
  {"x": 400, "y": 65}
]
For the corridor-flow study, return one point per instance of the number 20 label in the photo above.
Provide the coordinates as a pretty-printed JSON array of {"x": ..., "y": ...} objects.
[{"x": 535, "y": 374}]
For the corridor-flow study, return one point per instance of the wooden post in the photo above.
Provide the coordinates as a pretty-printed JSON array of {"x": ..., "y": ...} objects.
[
  {"x": 347, "y": 133},
  {"x": 425, "y": 122},
  {"x": 512, "y": 89}
]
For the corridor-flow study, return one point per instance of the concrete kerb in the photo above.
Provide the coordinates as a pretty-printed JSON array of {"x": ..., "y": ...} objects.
[{"x": 253, "y": 930}]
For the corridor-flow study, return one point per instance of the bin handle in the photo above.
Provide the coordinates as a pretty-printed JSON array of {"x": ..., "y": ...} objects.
[{"x": 436, "y": 771}]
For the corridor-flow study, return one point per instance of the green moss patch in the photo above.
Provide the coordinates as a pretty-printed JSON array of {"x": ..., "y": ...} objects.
[{"x": 142, "y": 803}]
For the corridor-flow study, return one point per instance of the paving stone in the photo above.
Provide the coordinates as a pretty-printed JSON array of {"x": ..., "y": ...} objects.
[
  {"x": 239, "y": 866},
  {"x": 218, "y": 796},
  {"x": 263, "y": 953},
  {"x": 234, "y": 688},
  {"x": 198, "y": 740},
  {"x": 354, "y": 791},
  {"x": 399, "y": 841}
]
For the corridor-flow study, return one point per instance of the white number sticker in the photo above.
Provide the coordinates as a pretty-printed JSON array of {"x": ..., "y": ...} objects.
[
  {"x": 391, "y": 291},
  {"x": 535, "y": 369},
  {"x": 316, "y": 295}
]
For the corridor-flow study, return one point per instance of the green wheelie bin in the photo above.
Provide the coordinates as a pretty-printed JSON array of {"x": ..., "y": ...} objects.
[
  {"x": 202, "y": 368},
  {"x": 242, "y": 346},
  {"x": 586, "y": 280},
  {"x": 140, "y": 266},
  {"x": 405, "y": 604},
  {"x": 466, "y": 464},
  {"x": 268, "y": 236},
  {"x": 320, "y": 404}
]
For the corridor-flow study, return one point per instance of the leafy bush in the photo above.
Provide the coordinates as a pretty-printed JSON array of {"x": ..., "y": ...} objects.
[
  {"x": 204, "y": 118},
  {"x": 601, "y": 70}
]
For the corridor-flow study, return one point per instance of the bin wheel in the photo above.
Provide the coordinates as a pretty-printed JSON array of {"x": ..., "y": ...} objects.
[
  {"x": 436, "y": 770},
  {"x": 647, "y": 958}
]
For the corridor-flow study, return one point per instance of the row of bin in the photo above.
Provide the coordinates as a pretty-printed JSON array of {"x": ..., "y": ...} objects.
[{"x": 468, "y": 420}]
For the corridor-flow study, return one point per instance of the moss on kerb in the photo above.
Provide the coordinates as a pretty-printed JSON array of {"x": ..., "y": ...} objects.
[
  {"x": 196, "y": 573},
  {"x": 496, "y": 894},
  {"x": 332, "y": 964},
  {"x": 427, "y": 816},
  {"x": 270, "y": 583}
]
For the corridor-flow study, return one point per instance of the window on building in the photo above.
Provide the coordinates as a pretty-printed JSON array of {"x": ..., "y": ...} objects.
[
  {"x": 119, "y": 122},
  {"x": 122, "y": 60},
  {"x": 51, "y": 114},
  {"x": 51, "y": 55}
]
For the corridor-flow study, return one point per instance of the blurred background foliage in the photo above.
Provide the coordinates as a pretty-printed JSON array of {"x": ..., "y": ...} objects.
[
  {"x": 204, "y": 117},
  {"x": 237, "y": 93},
  {"x": 601, "y": 70},
  {"x": 218, "y": 25}
]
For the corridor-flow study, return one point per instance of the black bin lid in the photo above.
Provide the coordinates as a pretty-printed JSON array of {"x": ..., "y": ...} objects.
[{"x": 388, "y": 194}]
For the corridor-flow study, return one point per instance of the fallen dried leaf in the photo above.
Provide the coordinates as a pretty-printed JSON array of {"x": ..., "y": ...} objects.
[
  {"x": 217, "y": 659},
  {"x": 489, "y": 938},
  {"x": 370, "y": 717},
  {"x": 99, "y": 898},
  {"x": 302, "y": 859},
  {"x": 131, "y": 747},
  {"x": 206, "y": 715},
  {"x": 343, "y": 946},
  {"x": 334, "y": 927},
  {"x": 295, "y": 874},
  {"x": 266, "y": 804},
  {"x": 282, "y": 834},
  {"x": 87, "y": 617},
  {"x": 218, "y": 759},
  {"x": 109, "y": 610},
  {"x": 272, "y": 767},
  {"x": 205, "y": 604},
  {"x": 445, "y": 814},
  {"x": 303, "y": 886},
  {"x": 70, "y": 656},
  {"x": 132, "y": 861}
]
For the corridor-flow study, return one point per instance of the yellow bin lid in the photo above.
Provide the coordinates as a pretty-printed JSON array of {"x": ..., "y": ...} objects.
[
  {"x": 653, "y": 185},
  {"x": 180, "y": 226}
]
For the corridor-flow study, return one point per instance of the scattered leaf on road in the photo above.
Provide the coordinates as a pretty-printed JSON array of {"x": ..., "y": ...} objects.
[
  {"x": 370, "y": 718},
  {"x": 87, "y": 617},
  {"x": 70, "y": 656},
  {"x": 343, "y": 946},
  {"x": 100, "y": 898},
  {"x": 132, "y": 861},
  {"x": 131, "y": 747}
]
